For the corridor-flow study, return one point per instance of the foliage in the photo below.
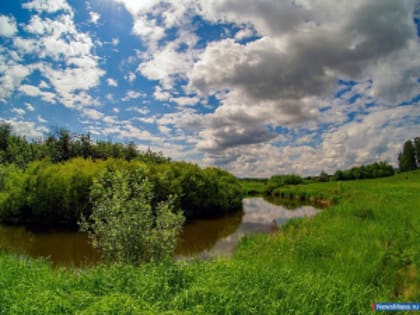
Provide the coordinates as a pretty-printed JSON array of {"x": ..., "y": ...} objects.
[
  {"x": 407, "y": 159},
  {"x": 202, "y": 193},
  {"x": 12, "y": 193},
  {"x": 49, "y": 194},
  {"x": 417, "y": 148},
  {"x": 323, "y": 177},
  {"x": 361, "y": 250},
  {"x": 62, "y": 145},
  {"x": 282, "y": 180},
  {"x": 374, "y": 170},
  {"x": 57, "y": 194},
  {"x": 124, "y": 225}
]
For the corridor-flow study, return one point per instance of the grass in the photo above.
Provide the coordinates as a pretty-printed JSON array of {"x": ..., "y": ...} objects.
[
  {"x": 253, "y": 187},
  {"x": 364, "y": 249}
]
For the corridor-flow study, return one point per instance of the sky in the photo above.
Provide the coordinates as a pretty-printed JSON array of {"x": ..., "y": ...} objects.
[{"x": 255, "y": 87}]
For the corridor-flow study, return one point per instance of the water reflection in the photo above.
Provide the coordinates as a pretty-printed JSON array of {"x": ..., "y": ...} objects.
[
  {"x": 258, "y": 217},
  {"x": 200, "y": 238},
  {"x": 63, "y": 248}
]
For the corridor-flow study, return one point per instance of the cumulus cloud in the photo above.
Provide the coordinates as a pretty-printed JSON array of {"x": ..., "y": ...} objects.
[
  {"x": 92, "y": 113},
  {"x": 55, "y": 48},
  {"x": 286, "y": 76},
  {"x": 27, "y": 128},
  {"x": 12, "y": 75},
  {"x": 8, "y": 26},
  {"x": 49, "y": 6}
]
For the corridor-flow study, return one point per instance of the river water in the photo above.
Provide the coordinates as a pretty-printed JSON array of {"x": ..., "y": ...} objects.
[{"x": 199, "y": 238}]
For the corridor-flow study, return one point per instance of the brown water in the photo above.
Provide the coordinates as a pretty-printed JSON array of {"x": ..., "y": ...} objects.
[{"x": 200, "y": 238}]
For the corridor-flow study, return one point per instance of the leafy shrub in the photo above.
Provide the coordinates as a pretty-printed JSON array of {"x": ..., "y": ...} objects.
[{"x": 124, "y": 225}]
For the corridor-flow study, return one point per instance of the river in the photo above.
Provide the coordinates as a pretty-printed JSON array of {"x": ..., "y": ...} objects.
[{"x": 199, "y": 238}]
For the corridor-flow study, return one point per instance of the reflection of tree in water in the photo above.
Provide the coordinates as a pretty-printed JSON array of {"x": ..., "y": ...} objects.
[
  {"x": 201, "y": 235},
  {"x": 60, "y": 247},
  {"x": 16, "y": 240}
]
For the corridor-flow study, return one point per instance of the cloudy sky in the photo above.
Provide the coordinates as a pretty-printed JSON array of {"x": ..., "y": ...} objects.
[{"x": 256, "y": 87}]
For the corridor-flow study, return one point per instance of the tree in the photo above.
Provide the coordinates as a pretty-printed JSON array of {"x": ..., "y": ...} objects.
[
  {"x": 124, "y": 225},
  {"x": 323, "y": 177},
  {"x": 407, "y": 161},
  {"x": 417, "y": 148},
  {"x": 5, "y": 131}
]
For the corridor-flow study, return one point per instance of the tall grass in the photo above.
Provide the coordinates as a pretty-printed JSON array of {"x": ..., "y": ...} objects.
[{"x": 364, "y": 249}]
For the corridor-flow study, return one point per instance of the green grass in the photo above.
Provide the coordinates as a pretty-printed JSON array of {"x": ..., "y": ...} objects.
[
  {"x": 253, "y": 187},
  {"x": 363, "y": 249}
]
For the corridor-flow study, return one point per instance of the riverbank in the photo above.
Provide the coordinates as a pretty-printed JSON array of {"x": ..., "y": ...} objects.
[{"x": 364, "y": 249}]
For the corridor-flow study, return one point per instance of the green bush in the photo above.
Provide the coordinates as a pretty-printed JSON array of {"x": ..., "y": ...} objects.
[
  {"x": 124, "y": 225},
  {"x": 59, "y": 193},
  {"x": 12, "y": 194}
]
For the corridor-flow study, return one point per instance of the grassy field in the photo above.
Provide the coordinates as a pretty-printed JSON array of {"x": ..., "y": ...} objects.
[{"x": 364, "y": 249}]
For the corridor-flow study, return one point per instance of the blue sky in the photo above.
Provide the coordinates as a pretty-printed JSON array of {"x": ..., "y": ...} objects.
[{"x": 255, "y": 87}]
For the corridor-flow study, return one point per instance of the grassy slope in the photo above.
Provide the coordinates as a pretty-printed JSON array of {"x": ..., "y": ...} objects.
[{"x": 365, "y": 249}]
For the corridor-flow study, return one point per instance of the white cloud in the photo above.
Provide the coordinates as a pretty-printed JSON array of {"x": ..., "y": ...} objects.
[
  {"x": 126, "y": 130},
  {"x": 8, "y": 26},
  {"x": 30, "y": 90},
  {"x": 132, "y": 95},
  {"x": 130, "y": 77},
  {"x": 58, "y": 39},
  {"x": 140, "y": 110},
  {"x": 12, "y": 76},
  {"x": 185, "y": 100},
  {"x": 18, "y": 111},
  {"x": 94, "y": 17},
  {"x": 244, "y": 33},
  {"x": 111, "y": 82},
  {"x": 27, "y": 128},
  {"x": 92, "y": 113},
  {"x": 109, "y": 97},
  {"x": 49, "y": 6},
  {"x": 161, "y": 95},
  {"x": 29, "y": 107},
  {"x": 41, "y": 119},
  {"x": 115, "y": 41}
]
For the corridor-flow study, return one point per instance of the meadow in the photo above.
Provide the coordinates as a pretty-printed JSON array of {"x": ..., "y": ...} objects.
[{"x": 361, "y": 250}]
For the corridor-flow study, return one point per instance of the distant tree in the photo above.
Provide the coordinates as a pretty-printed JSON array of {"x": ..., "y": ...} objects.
[
  {"x": 64, "y": 144},
  {"x": 339, "y": 175},
  {"x": 5, "y": 131},
  {"x": 323, "y": 177},
  {"x": 407, "y": 161},
  {"x": 131, "y": 151},
  {"x": 417, "y": 148}
]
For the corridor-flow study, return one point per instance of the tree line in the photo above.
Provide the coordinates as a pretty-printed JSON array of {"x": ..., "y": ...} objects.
[
  {"x": 52, "y": 188},
  {"x": 62, "y": 145}
]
